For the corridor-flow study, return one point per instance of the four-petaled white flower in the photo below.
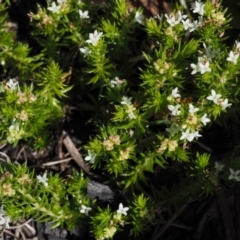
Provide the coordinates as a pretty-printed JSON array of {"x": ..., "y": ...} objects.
[
  {"x": 90, "y": 157},
  {"x": 187, "y": 24},
  {"x": 233, "y": 57},
  {"x": 234, "y": 175},
  {"x": 218, "y": 166},
  {"x": 198, "y": 7},
  {"x": 54, "y": 8},
  {"x": 139, "y": 17},
  {"x": 225, "y": 104},
  {"x": 85, "y": 209},
  {"x": 194, "y": 26},
  {"x": 237, "y": 44},
  {"x": 196, "y": 134},
  {"x": 175, "y": 93},
  {"x": 94, "y": 37},
  {"x": 174, "y": 109},
  {"x": 122, "y": 210},
  {"x": 11, "y": 84},
  {"x": 84, "y": 14},
  {"x": 192, "y": 109},
  {"x": 174, "y": 19},
  {"x": 204, "y": 67},
  {"x": 187, "y": 136},
  {"x": 86, "y": 51},
  {"x": 43, "y": 179},
  {"x": 126, "y": 100},
  {"x": 195, "y": 68},
  {"x": 214, "y": 96},
  {"x": 204, "y": 119}
]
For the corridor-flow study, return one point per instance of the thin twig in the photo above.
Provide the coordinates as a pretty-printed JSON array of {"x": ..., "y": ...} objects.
[
  {"x": 57, "y": 162},
  {"x": 22, "y": 224},
  {"x": 182, "y": 226},
  {"x": 226, "y": 214},
  {"x": 170, "y": 221},
  {"x": 20, "y": 152},
  {"x": 208, "y": 149},
  {"x": 77, "y": 156}
]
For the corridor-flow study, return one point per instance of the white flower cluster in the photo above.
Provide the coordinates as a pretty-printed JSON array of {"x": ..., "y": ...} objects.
[
  {"x": 130, "y": 108},
  {"x": 177, "y": 18},
  {"x": 216, "y": 98},
  {"x": 187, "y": 129},
  {"x": 234, "y": 175},
  {"x": 202, "y": 66},
  {"x": 93, "y": 39}
]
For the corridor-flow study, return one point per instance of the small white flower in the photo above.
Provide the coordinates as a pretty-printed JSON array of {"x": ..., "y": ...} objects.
[
  {"x": 187, "y": 24},
  {"x": 116, "y": 82},
  {"x": 94, "y": 37},
  {"x": 131, "y": 115},
  {"x": 181, "y": 16},
  {"x": 233, "y": 57},
  {"x": 122, "y": 210},
  {"x": 187, "y": 136},
  {"x": 91, "y": 157},
  {"x": 175, "y": 93},
  {"x": 195, "y": 68},
  {"x": 85, "y": 209},
  {"x": 174, "y": 109},
  {"x": 126, "y": 100},
  {"x": 171, "y": 20},
  {"x": 43, "y": 179},
  {"x": 194, "y": 26},
  {"x": 196, "y": 134},
  {"x": 204, "y": 67},
  {"x": 198, "y": 7},
  {"x": 54, "y": 8},
  {"x": 225, "y": 104},
  {"x": 218, "y": 166},
  {"x": 139, "y": 17},
  {"x": 11, "y": 84},
  {"x": 214, "y": 97},
  {"x": 204, "y": 119},
  {"x": 160, "y": 18},
  {"x": 237, "y": 44},
  {"x": 174, "y": 19},
  {"x": 192, "y": 109},
  {"x": 86, "y": 51},
  {"x": 234, "y": 175},
  {"x": 84, "y": 14}
]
